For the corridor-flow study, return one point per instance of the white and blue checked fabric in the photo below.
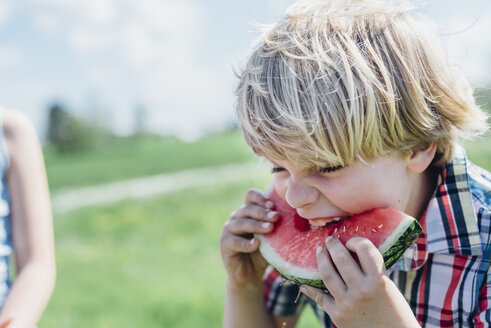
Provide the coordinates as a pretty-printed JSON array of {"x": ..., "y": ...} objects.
[{"x": 5, "y": 226}]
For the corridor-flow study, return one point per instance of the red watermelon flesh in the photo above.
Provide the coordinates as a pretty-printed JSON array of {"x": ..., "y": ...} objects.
[{"x": 291, "y": 246}]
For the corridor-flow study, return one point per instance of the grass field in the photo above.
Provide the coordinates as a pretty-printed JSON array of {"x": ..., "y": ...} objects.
[
  {"x": 153, "y": 262},
  {"x": 125, "y": 158}
]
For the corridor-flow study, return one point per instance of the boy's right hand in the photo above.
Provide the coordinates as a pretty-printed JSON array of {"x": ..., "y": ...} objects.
[{"x": 239, "y": 247}]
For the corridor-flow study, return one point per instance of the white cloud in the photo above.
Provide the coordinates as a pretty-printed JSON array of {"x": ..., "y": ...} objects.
[
  {"x": 279, "y": 6},
  {"x": 46, "y": 21},
  {"x": 90, "y": 11},
  {"x": 174, "y": 19},
  {"x": 84, "y": 40},
  {"x": 143, "y": 31},
  {"x": 5, "y": 11},
  {"x": 10, "y": 57},
  {"x": 192, "y": 99},
  {"x": 158, "y": 42},
  {"x": 140, "y": 45}
]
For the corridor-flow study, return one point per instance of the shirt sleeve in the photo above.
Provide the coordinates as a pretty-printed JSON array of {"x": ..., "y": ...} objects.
[
  {"x": 282, "y": 298},
  {"x": 483, "y": 317}
]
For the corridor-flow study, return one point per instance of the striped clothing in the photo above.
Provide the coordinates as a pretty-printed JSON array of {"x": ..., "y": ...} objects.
[
  {"x": 5, "y": 227},
  {"x": 445, "y": 275}
]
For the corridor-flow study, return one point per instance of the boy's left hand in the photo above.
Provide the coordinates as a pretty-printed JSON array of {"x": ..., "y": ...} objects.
[{"x": 360, "y": 295}]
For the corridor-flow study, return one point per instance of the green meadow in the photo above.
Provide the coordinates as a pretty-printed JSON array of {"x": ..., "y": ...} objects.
[
  {"x": 132, "y": 157},
  {"x": 153, "y": 262}
]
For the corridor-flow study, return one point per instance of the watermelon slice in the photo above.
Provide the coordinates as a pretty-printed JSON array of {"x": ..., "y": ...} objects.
[{"x": 291, "y": 247}]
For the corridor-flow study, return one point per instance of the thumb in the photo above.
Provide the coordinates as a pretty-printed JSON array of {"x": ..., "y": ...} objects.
[{"x": 319, "y": 296}]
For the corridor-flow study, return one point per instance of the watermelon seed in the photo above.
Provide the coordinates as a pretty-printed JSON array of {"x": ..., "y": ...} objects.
[
  {"x": 356, "y": 228},
  {"x": 344, "y": 228},
  {"x": 335, "y": 230},
  {"x": 380, "y": 226},
  {"x": 374, "y": 230}
]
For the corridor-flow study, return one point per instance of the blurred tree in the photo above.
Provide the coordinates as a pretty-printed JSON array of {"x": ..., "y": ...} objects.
[
  {"x": 68, "y": 133},
  {"x": 58, "y": 124},
  {"x": 140, "y": 120}
]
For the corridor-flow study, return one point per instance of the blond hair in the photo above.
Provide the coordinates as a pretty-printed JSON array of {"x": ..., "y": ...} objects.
[{"x": 338, "y": 81}]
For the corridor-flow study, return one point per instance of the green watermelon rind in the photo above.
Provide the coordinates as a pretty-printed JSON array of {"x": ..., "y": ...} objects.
[
  {"x": 407, "y": 238},
  {"x": 395, "y": 247}
]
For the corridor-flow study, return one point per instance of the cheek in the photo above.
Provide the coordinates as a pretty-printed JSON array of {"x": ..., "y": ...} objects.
[
  {"x": 377, "y": 195},
  {"x": 356, "y": 194},
  {"x": 279, "y": 184}
]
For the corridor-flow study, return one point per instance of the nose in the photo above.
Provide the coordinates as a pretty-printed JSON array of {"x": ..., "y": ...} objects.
[{"x": 300, "y": 194}]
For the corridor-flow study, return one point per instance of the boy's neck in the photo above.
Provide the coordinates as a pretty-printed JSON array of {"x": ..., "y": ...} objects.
[{"x": 422, "y": 191}]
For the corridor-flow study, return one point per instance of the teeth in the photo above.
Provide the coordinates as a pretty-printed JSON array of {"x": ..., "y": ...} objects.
[
  {"x": 318, "y": 223},
  {"x": 323, "y": 222}
]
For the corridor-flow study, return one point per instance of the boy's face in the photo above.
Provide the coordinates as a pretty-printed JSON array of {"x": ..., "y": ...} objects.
[{"x": 346, "y": 191}]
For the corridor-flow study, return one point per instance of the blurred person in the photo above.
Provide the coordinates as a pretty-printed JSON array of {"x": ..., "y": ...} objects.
[
  {"x": 356, "y": 107},
  {"x": 26, "y": 228}
]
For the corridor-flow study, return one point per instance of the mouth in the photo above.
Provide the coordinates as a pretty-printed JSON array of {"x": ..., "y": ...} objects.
[{"x": 320, "y": 222}]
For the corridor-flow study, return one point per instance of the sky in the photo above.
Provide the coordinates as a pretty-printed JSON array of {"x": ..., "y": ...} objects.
[{"x": 174, "y": 58}]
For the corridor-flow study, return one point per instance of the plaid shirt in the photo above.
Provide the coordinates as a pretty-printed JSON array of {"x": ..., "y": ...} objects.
[{"x": 445, "y": 275}]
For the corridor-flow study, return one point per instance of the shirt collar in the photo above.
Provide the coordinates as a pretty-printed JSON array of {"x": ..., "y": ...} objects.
[{"x": 449, "y": 223}]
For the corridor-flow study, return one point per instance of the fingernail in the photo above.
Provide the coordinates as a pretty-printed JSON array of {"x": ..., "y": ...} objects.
[
  {"x": 265, "y": 225},
  {"x": 303, "y": 289},
  {"x": 329, "y": 238},
  {"x": 252, "y": 241},
  {"x": 269, "y": 204},
  {"x": 319, "y": 249},
  {"x": 271, "y": 214}
]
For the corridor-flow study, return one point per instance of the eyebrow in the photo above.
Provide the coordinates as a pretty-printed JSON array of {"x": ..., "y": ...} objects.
[{"x": 331, "y": 168}]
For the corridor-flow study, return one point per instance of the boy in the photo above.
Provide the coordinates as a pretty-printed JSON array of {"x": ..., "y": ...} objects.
[{"x": 356, "y": 107}]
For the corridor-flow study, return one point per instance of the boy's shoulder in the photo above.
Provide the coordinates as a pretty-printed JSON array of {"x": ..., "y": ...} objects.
[
  {"x": 480, "y": 185},
  {"x": 462, "y": 176},
  {"x": 458, "y": 217}
]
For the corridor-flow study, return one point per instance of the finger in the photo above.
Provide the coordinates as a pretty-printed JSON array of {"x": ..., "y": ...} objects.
[
  {"x": 243, "y": 226},
  {"x": 371, "y": 261},
  {"x": 232, "y": 245},
  {"x": 346, "y": 265},
  {"x": 331, "y": 278},
  {"x": 256, "y": 212},
  {"x": 319, "y": 296},
  {"x": 256, "y": 196}
]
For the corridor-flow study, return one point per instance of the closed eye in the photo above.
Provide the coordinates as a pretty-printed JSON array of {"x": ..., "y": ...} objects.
[
  {"x": 277, "y": 169},
  {"x": 331, "y": 169}
]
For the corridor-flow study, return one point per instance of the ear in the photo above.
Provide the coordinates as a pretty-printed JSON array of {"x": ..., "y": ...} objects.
[{"x": 421, "y": 158}]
